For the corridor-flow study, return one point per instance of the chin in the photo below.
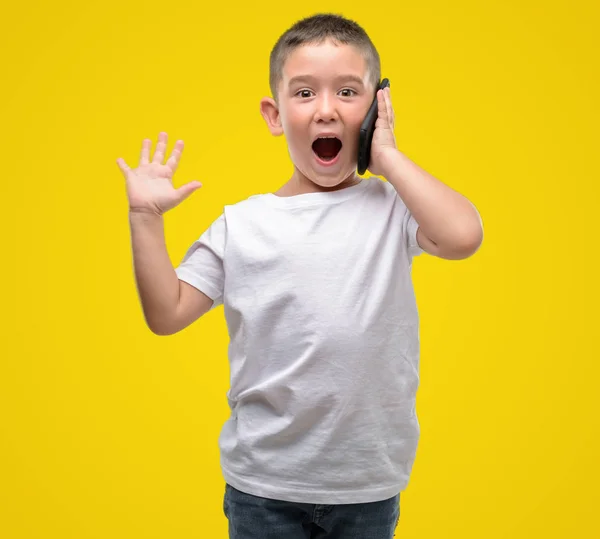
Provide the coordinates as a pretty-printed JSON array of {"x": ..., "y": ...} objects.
[{"x": 328, "y": 179}]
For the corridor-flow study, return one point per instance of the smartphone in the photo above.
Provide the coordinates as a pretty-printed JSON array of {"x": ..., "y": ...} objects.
[{"x": 367, "y": 129}]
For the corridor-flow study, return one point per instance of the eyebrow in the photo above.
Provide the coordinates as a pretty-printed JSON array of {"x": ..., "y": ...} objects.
[{"x": 302, "y": 78}]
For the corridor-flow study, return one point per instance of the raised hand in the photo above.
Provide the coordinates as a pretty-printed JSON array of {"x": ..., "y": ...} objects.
[{"x": 149, "y": 186}]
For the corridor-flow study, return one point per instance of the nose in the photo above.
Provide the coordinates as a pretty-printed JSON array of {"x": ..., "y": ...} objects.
[{"x": 326, "y": 108}]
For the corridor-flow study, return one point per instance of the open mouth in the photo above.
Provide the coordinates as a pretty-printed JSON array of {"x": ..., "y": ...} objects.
[{"x": 327, "y": 148}]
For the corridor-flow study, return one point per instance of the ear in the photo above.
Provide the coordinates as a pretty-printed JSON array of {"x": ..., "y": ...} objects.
[{"x": 270, "y": 112}]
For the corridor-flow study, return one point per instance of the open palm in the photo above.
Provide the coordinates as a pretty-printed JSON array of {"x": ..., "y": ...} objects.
[{"x": 149, "y": 186}]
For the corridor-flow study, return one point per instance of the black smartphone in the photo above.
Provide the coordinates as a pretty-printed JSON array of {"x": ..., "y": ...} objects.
[{"x": 367, "y": 129}]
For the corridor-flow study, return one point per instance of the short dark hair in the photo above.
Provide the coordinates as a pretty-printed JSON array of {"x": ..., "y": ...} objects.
[{"x": 315, "y": 30}]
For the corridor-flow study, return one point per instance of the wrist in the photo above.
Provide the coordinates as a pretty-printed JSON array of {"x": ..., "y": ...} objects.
[
  {"x": 144, "y": 211},
  {"x": 389, "y": 161},
  {"x": 145, "y": 218}
]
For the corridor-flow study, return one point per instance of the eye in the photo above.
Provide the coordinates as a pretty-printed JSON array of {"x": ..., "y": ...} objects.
[
  {"x": 301, "y": 91},
  {"x": 344, "y": 90}
]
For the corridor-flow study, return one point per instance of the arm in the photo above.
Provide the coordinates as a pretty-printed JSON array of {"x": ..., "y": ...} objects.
[
  {"x": 449, "y": 225},
  {"x": 169, "y": 305}
]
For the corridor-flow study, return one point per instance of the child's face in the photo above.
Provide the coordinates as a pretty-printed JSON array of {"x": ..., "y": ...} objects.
[{"x": 334, "y": 98}]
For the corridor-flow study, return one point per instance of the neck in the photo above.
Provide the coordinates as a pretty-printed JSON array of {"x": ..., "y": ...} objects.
[{"x": 299, "y": 184}]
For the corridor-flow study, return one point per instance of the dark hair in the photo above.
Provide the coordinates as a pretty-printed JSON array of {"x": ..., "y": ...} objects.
[{"x": 315, "y": 30}]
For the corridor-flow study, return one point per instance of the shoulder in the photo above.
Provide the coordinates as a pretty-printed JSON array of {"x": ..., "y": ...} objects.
[
  {"x": 380, "y": 187},
  {"x": 250, "y": 204},
  {"x": 384, "y": 194}
]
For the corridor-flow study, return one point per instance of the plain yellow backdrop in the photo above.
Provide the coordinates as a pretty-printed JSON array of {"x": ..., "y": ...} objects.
[{"x": 108, "y": 431}]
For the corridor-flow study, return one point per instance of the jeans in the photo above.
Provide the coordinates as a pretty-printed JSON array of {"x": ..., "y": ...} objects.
[{"x": 253, "y": 517}]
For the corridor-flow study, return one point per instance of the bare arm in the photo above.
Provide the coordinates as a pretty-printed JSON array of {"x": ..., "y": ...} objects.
[
  {"x": 449, "y": 224},
  {"x": 169, "y": 305}
]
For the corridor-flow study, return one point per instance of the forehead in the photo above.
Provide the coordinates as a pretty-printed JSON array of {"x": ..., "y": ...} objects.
[{"x": 324, "y": 61}]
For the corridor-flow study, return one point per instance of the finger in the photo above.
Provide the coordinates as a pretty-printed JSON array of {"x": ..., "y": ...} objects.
[
  {"x": 173, "y": 161},
  {"x": 392, "y": 113},
  {"x": 186, "y": 190},
  {"x": 388, "y": 104},
  {"x": 382, "y": 106},
  {"x": 145, "y": 153},
  {"x": 123, "y": 166},
  {"x": 161, "y": 146}
]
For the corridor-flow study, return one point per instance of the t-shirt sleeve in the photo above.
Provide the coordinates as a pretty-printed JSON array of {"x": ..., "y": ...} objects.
[
  {"x": 202, "y": 265},
  {"x": 411, "y": 226}
]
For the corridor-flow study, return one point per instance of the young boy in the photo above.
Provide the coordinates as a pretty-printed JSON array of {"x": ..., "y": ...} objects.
[{"x": 315, "y": 281}]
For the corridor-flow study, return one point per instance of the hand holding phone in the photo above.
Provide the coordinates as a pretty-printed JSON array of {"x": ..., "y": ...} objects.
[{"x": 367, "y": 129}]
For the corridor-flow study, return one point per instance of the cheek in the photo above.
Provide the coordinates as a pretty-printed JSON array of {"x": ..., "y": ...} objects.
[
  {"x": 293, "y": 119},
  {"x": 353, "y": 123},
  {"x": 295, "y": 128},
  {"x": 360, "y": 114}
]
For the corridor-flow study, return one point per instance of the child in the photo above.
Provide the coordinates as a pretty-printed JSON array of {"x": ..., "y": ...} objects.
[{"x": 315, "y": 280}]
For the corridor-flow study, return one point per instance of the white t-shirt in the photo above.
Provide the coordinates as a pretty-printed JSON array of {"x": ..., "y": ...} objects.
[{"x": 324, "y": 342}]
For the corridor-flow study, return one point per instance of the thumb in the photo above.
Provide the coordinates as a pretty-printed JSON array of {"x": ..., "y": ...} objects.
[{"x": 186, "y": 190}]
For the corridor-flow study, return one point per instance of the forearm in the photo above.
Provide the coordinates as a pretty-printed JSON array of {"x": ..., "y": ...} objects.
[
  {"x": 445, "y": 216},
  {"x": 157, "y": 282}
]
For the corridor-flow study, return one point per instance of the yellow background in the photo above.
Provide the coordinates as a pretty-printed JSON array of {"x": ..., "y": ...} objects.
[{"x": 108, "y": 431}]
